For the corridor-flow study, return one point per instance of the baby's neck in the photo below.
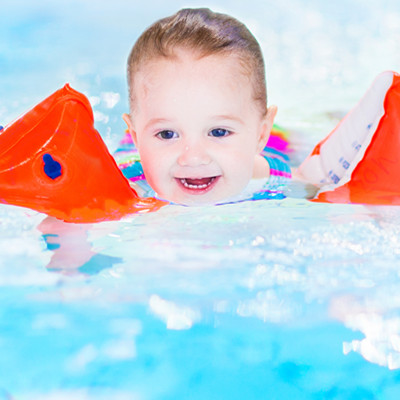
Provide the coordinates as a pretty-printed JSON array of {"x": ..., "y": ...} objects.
[{"x": 261, "y": 167}]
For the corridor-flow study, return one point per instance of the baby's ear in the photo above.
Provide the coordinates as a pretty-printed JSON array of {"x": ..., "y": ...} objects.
[
  {"x": 266, "y": 127},
  {"x": 128, "y": 122}
]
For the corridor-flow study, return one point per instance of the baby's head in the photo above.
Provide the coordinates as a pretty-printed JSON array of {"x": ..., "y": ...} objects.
[{"x": 198, "y": 108}]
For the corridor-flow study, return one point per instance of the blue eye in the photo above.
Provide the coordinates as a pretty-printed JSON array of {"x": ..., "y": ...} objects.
[
  {"x": 220, "y": 132},
  {"x": 167, "y": 134}
]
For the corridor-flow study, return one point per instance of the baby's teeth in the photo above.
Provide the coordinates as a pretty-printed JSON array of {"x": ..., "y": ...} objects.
[{"x": 184, "y": 183}]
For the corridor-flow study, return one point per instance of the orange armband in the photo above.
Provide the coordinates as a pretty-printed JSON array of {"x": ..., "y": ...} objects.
[
  {"x": 359, "y": 161},
  {"x": 53, "y": 160}
]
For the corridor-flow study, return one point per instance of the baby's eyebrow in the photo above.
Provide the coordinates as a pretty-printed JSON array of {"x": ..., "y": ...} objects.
[
  {"x": 216, "y": 118},
  {"x": 228, "y": 117},
  {"x": 155, "y": 121}
]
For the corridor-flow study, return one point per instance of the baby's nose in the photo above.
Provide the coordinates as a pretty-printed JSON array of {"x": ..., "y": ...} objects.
[{"x": 194, "y": 155}]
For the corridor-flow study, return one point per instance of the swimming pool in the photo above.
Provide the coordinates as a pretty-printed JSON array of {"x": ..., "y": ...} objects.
[{"x": 268, "y": 299}]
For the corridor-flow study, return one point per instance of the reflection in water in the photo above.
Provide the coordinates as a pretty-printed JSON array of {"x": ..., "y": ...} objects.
[
  {"x": 381, "y": 344},
  {"x": 175, "y": 317},
  {"x": 72, "y": 251}
]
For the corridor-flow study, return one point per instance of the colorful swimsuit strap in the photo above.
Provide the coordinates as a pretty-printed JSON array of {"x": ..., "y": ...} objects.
[{"x": 280, "y": 172}]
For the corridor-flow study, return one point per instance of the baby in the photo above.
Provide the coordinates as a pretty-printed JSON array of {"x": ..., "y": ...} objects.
[
  {"x": 199, "y": 119},
  {"x": 198, "y": 107}
]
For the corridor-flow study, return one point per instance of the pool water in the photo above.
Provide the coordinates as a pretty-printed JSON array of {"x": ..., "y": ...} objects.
[{"x": 269, "y": 299}]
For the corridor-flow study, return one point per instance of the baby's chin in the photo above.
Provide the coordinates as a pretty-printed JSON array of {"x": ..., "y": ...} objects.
[
  {"x": 206, "y": 199},
  {"x": 196, "y": 202},
  {"x": 193, "y": 201}
]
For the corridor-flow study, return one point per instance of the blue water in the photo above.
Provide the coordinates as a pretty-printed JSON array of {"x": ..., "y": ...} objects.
[{"x": 257, "y": 300}]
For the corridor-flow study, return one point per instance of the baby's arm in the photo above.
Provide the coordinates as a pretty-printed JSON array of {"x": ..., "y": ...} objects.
[{"x": 299, "y": 187}]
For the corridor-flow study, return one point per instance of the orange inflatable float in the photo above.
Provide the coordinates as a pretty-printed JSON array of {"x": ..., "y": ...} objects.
[
  {"x": 359, "y": 162},
  {"x": 53, "y": 160}
]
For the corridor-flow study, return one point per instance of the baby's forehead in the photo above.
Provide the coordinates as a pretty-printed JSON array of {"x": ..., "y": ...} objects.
[
  {"x": 178, "y": 78},
  {"x": 232, "y": 64},
  {"x": 223, "y": 75}
]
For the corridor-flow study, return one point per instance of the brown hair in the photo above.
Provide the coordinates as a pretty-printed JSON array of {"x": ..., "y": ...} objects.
[{"x": 207, "y": 33}]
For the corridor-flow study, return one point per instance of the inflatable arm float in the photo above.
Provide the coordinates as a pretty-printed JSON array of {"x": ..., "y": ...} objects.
[
  {"x": 53, "y": 160},
  {"x": 359, "y": 162}
]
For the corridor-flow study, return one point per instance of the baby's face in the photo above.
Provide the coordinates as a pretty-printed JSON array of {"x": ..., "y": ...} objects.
[{"x": 197, "y": 127}]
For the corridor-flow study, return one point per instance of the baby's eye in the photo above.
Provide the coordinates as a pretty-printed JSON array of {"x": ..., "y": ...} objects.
[
  {"x": 167, "y": 134},
  {"x": 220, "y": 132}
]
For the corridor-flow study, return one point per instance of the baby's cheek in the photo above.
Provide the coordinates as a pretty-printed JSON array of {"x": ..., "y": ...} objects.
[
  {"x": 157, "y": 176},
  {"x": 243, "y": 176},
  {"x": 242, "y": 165},
  {"x": 148, "y": 170}
]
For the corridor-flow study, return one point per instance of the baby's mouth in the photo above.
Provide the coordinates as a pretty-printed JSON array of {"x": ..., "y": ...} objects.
[{"x": 198, "y": 185}]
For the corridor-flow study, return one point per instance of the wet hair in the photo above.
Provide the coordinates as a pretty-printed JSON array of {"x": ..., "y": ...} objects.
[{"x": 205, "y": 33}]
